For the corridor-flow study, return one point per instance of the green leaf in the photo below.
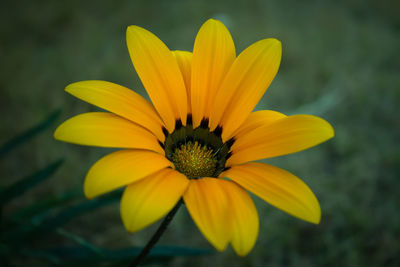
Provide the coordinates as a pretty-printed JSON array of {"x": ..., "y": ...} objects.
[
  {"x": 42, "y": 207},
  {"x": 40, "y": 255},
  {"x": 74, "y": 253},
  {"x": 28, "y": 182},
  {"x": 76, "y": 210},
  {"x": 79, "y": 240},
  {"x": 29, "y": 134},
  {"x": 161, "y": 251},
  {"x": 40, "y": 225}
]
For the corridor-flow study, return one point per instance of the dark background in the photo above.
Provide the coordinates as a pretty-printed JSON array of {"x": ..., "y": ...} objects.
[{"x": 340, "y": 61}]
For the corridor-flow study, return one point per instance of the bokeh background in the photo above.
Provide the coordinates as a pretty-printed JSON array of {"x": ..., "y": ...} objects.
[{"x": 340, "y": 61}]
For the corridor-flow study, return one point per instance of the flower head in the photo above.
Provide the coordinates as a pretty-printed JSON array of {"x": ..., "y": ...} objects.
[{"x": 200, "y": 129}]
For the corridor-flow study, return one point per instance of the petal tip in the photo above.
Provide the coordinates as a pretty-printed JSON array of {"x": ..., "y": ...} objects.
[
  {"x": 242, "y": 253},
  {"x": 129, "y": 225},
  {"x": 273, "y": 45},
  {"x": 134, "y": 30},
  {"x": 318, "y": 217},
  {"x": 126, "y": 224},
  {"x": 131, "y": 28},
  {"x": 60, "y": 133},
  {"x": 73, "y": 88},
  {"x": 213, "y": 23},
  {"x": 276, "y": 44},
  {"x": 270, "y": 42},
  {"x": 88, "y": 188},
  {"x": 56, "y": 134},
  {"x": 220, "y": 247},
  {"x": 211, "y": 20},
  {"x": 69, "y": 88},
  {"x": 315, "y": 217},
  {"x": 316, "y": 220},
  {"x": 87, "y": 193},
  {"x": 329, "y": 130}
]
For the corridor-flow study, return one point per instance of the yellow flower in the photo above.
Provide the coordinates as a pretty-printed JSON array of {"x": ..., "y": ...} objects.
[{"x": 199, "y": 130}]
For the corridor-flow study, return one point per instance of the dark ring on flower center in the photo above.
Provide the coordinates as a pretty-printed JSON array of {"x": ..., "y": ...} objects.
[{"x": 197, "y": 152}]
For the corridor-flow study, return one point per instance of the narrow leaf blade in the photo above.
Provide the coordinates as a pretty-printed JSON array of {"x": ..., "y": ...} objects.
[
  {"x": 28, "y": 182},
  {"x": 29, "y": 134}
]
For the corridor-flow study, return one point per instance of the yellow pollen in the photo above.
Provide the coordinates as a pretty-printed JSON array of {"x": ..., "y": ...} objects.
[{"x": 194, "y": 160}]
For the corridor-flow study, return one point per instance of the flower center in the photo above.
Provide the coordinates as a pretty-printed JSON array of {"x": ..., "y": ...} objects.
[
  {"x": 196, "y": 152},
  {"x": 194, "y": 160}
]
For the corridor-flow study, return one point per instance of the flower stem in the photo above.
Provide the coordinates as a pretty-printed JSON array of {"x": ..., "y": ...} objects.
[{"x": 156, "y": 236}]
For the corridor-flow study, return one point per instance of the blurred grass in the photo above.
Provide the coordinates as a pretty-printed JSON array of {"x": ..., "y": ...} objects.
[{"x": 340, "y": 61}]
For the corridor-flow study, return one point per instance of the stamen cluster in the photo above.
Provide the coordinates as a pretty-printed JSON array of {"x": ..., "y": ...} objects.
[
  {"x": 197, "y": 152},
  {"x": 194, "y": 160}
]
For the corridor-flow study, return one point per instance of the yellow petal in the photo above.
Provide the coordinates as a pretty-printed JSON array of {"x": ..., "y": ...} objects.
[
  {"x": 213, "y": 54},
  {"x": 121, "y": 168},
  {"x": 146, "y": 201},
  {"x": 184, "y": 59},
  {"x": 257, "y": 119},
  {"x": 245, "y": 222},
  {"x": 277, "y": 187},
  {"x": 121, "y": 101},
  {"x": 106, "y": 130},
  {"x": 245, "y": 84},
  {"x": 284, "y": 136},
  {"x": 208, "y": 205},
  {"x": 160, "y": 74}
]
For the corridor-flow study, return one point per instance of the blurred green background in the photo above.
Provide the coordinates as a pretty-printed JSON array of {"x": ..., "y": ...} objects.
[{"x": 340, "y": 61}]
